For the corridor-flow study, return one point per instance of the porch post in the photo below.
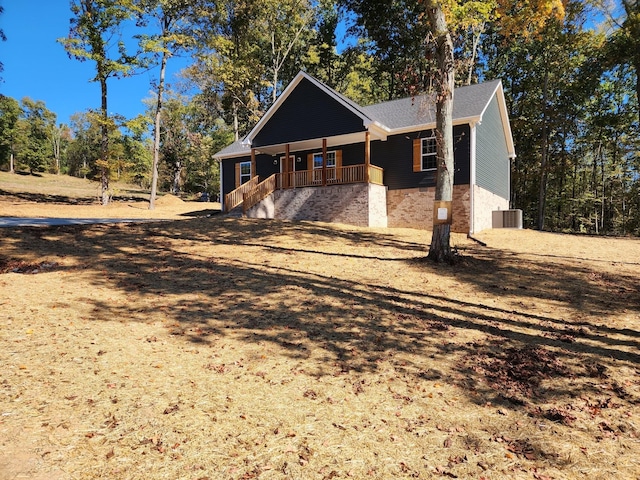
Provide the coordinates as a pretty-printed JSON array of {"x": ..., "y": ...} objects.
[
  {"x": 286, "y": 165},
  {"x": 253, "y": 162},
  {"x": 367, "y": 155},
  {"x": 324, "y": 162}
]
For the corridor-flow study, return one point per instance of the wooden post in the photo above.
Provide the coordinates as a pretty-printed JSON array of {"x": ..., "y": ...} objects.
[
  {"x": 367, "y": 155},
  {"x": 324, "y": 162},
  {"x": 286, "y": 165},
  {"x": 253, "y": 162}
]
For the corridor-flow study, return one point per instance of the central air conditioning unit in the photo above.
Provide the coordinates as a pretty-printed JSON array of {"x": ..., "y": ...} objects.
[{"x": 506, "y": 219}]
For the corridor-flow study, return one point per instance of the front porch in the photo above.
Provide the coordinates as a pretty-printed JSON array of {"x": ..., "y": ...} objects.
[{"x": 250, "y": 193}]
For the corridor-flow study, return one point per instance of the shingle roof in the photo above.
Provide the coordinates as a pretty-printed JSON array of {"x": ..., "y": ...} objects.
[
  {"x": 468, "y": 102},
  {"x": 236, "y": 149}
]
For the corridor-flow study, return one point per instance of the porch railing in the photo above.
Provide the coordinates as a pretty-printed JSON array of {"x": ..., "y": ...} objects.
[
  {"x": 235, "y": 198},
  {"x": 335, "y": 176},
  {"x": 262, "y": 190}
]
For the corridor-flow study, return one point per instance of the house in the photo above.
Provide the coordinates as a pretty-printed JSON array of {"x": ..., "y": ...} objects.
[{"x": 316, "y": 155}]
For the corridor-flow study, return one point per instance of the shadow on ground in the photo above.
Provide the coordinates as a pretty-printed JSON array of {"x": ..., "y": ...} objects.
[{"x": 215, "y": 277}]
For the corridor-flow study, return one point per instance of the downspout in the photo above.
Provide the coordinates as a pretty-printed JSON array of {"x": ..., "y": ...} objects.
[{"x": 472, "y": 175}]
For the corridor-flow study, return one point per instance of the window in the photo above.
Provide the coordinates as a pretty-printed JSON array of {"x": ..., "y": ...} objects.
[
  {"x": 331, "y": 160},
  {"x": 428, "y": 155},
  {"x": 317, "y": 166},
  {"x": 245, "y": 172}
]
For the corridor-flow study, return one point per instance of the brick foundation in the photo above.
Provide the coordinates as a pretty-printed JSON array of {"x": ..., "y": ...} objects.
[
  {"x": 485, "y": 202},
  {"x": 357, "y": 204},
  {"x": 375, "y": 206},
  {"x": 413, "y": 208}
]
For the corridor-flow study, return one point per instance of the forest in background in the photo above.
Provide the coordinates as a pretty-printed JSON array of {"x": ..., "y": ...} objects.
[{"x": 571, "y": 88}]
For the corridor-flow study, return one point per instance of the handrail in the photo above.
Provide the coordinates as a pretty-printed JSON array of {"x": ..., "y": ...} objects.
[
  {"x": 235, "y": 198},
  {"x": 261, "y": 191}
]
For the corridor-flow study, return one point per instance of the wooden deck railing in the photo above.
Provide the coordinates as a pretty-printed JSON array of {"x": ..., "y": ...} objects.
[
  {"x": 235, "y": 198},
  {"x": 335, "y": 176},
  {"x": 262, "y": 190}
]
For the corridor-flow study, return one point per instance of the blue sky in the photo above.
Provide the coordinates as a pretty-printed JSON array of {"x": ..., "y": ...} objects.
[{"x": 37, "y": 66}]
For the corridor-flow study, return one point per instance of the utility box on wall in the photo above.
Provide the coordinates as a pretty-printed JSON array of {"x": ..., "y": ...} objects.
[{"x": 506, "y": 219}]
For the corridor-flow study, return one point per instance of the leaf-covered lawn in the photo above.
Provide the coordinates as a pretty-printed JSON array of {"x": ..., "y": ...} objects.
[{"x": 223, "y": 348}]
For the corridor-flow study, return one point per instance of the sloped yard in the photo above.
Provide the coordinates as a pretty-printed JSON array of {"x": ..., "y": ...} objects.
[{"x": 214, "y": 348}]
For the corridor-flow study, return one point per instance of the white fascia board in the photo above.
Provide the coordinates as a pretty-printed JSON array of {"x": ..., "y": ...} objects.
[
  {"x": 432, "y": 125},
  {"x": 504, "y": 117},
  {"x": 242, "y": 153}
]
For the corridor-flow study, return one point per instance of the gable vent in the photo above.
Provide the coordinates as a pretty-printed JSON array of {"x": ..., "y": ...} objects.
[{"x": 506, "y": 219}]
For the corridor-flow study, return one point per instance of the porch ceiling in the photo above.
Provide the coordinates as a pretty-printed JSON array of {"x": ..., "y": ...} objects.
[{"x": 316, "y": 143}]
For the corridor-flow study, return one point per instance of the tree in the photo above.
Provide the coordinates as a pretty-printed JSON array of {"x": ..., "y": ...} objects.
[
  {"x": 35, "y": 125},
  {"x": 281, "y": 24},
  {"x": 84, "y": 150},
  {"x": 95, "y": 34},
  {"x": 9, "y": 114},
  {"x": 440, "y": 249},
  {"x": 397, "y": 38},
  {"x": 172, "y": 19},
  {"x": 229, "y": 69},
  {"x": 446, "y": 20},
  {"x": 624, "y": 43}
]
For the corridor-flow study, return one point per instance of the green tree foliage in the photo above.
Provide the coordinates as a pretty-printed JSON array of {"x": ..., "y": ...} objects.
[
  {"x": 95, "y": 34},
  {"x": 624, "y": 43},
  {"x": 573, "y": 123},
  {"x": 35, "y": 126},
  {"x": 9, "y": 114},
  {"x": 84, "y": 151},
  {"x": 187, "y": 148},
  {"x": 174, "y": 33}
]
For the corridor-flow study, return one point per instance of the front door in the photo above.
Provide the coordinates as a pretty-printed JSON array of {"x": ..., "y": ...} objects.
[{"x": 288, "y": 180}]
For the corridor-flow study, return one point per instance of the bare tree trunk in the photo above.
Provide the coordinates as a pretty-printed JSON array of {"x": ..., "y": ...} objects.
[
  {"x": 236, "y": 128},
  {"x": 156, "y": 134},
  {"x": 55, "y": 142},
  {"x": 542, "y": 190},
  {"x": 475, "y": 41},
  {"x": 440, "y": 249},
  {"x": 11, "y": 163},
  {"x": 104, "y": 143},
  {"x": 177, "y": 174}
]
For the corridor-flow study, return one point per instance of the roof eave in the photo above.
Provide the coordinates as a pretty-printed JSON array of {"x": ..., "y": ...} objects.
[{"x": 428, "y": 126}]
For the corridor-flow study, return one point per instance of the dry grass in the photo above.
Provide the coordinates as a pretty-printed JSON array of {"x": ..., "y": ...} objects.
[{"x": 215, "y": 348}]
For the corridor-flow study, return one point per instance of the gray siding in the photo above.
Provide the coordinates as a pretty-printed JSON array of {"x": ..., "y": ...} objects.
[{"x": 492, "y": 158}]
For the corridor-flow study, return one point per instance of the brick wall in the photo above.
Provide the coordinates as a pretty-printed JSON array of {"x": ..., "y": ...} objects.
[
  {"x": 485, "y": 202},
  {"x": 358, "y": 204},
  {"x": 413, "y": 208}
]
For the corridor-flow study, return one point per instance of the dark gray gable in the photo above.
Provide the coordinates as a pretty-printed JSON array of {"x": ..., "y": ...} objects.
[{"x": 307, "y": 113}]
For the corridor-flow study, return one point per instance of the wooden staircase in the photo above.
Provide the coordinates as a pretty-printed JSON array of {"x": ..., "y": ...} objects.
[{"x": 249, "y": 194}]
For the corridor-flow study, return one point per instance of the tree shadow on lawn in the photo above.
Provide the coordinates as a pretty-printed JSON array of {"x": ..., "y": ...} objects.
[
  {"x": 178, "y": 272},
  {"x": 67, "y": 200}
]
